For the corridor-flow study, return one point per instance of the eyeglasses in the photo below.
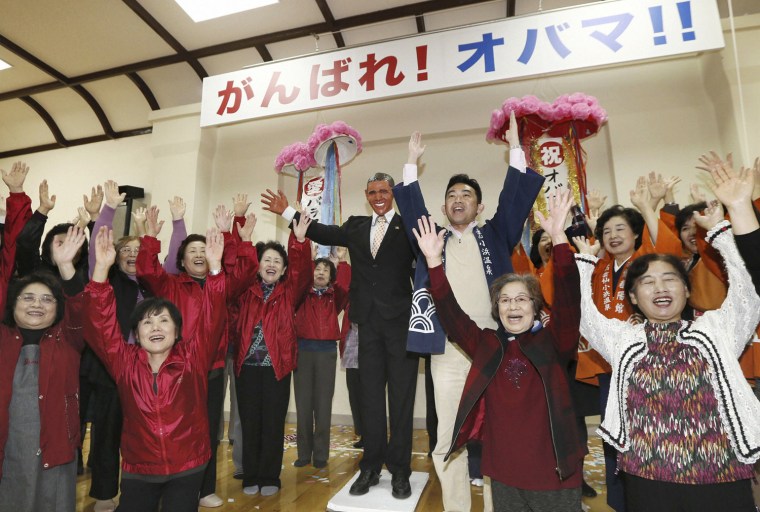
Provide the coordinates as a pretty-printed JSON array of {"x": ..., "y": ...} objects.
[
  {"x": 30, "y": 298},
  {"x": 129, "y": 250},
  {"x": 519, "y": 301}
]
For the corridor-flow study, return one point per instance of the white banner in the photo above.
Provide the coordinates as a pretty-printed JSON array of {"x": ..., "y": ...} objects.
[{"x": 599, "y": 34}]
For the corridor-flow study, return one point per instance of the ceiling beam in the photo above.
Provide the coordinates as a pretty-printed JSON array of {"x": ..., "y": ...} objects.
[
  {"x": 63, "y": 80},
  {"x": 411, "y": 10},
  {"x": 330, "y": 19},
  {"x": 97, "y": 110},
  {"x": 420, "y": 20},
  {"x": 48, "y": 120},
  {"x": 75, "y": 142},
  {"x": 264, "y": 52},
  {"x": 164, "y": 34},
  {"x": 145, "y": 90}
]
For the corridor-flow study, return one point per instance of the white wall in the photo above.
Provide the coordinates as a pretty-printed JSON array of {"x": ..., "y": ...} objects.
[{"x": 662, "y": 116}]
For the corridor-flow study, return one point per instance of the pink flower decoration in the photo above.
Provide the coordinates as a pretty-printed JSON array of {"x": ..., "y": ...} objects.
[
  {"x": 298, "y": 155},
  {"x": 325, "y": 132},
  {"x": 536, "y": 117},
  {"x": 581, "y": 111}
]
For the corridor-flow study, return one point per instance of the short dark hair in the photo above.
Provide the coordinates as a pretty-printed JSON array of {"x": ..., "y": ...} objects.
[
  {"x": 535, "y": 255},
  {"x": 639, "y": 267},
  {"x": 183, "y": 247},
  {"x": 633, "y": 218},
  {"x": 153, "y": 306},
  {"x": 263, "y": 247},
  {"x": 531, "y": 284},
  {"x": 381, "y": 176},
  {"x": 46, "y": 254},
  {"x": 686, "y": 213},
  {"x": 465, "y": 180},
  {"x": 330, "y": 265},
  {"x": 42, "y": 277}
]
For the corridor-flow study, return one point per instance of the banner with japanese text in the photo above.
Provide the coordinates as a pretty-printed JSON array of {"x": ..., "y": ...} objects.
[{"x": 599, "y": 34}]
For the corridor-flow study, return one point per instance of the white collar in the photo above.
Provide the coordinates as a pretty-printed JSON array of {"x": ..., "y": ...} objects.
[{"x": 617, "y": 267}]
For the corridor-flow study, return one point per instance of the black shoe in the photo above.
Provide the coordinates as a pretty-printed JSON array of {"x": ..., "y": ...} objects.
[
  {"x": 359, "y": 443},
  {"x": 300, "y": 463},
  {"x": 400, "y": 486},
  {"x": 237, "y": 476},
  {"x": 588, "y": 491},
  {"x": 319, "y": 464},
  {"x": 362, "y": 484}
]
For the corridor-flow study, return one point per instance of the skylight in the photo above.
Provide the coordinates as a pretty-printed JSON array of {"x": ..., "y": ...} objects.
[{"x": 202, "y": 10}]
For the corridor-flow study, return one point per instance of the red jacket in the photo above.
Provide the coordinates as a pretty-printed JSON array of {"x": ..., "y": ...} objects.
[
  {"x": 60, "y": 350},
  {"x": 277, "y": 313},
  {"x": 18, "y": 211},
  {"x": 185, "y": 292},
  {"x": 166, "y": 432},
  {"x": 317, "y": 318}
]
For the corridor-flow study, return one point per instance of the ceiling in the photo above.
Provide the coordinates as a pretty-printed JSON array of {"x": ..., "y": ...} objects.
[{"x": 85, "y": 71}]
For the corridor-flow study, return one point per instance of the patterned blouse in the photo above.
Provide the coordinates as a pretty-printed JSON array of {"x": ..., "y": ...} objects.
[{"x": 675, "y": 428}]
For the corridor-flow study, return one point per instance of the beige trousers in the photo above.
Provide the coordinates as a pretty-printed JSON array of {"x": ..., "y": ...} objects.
[{"x": 449, "y": 371}]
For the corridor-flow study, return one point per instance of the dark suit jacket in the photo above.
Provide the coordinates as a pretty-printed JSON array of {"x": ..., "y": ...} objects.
[{"x": 383, "y": 283}]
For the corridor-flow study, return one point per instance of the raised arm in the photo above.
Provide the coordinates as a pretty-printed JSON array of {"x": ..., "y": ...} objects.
[
  {"x": 240, "y": 260},
  {"x": 177, "y": 208},
  {"x": 300, "y": 270},
  {"x": 735, "y": 191},
  {"x": 321, "y": 233},
  {"x": 112, "y": 200},
  {"x": 63, "y": 255},
  {"x": 149, "y": 270},
  {"x": 93, "y": 203},
  {"x": 566, "y": 310},
  {"x": 518, "y": 193},
  {"x": 342, "y": 278},
  {"x": 30, "y": 237},
  {"x": 210, "y": 331},
  {"x": 739, "y": 314},
  {"x": 18, "y": 212},
  {"x": 601, "y": 332},
  {"x": 100, "y": 324},
  {"x": 641, "y": 200}
]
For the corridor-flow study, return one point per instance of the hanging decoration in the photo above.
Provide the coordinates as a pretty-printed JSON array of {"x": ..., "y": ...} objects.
[
  {"x": 295, "y": 160},
  {"x": 332, "y": 146},
  {"x": 551, "y": 134}
]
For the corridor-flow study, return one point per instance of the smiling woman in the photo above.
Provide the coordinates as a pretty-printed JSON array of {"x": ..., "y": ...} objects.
[
  {"x": 532, "y": 454},
  {"x": 266, "y": 356},
  {"x": 40, "y": 347},
  {"x": 162, "y": 382},
  {"x": 680, "y": 413}
]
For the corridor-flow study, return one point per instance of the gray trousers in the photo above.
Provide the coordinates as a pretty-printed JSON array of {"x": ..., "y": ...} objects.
[{"x": 314, "y": 384}]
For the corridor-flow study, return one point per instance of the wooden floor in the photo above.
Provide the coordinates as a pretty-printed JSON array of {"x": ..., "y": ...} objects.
[{"x": 308, "y": 489}]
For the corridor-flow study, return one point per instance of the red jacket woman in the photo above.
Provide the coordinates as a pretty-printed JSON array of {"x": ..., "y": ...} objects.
[
  {"x": 266, "y": 356},
  {"x": 165, "y": 427},
  {"x": 40, "y": 346},
  {"x": 318, "y": 319},
  {"x": 183, "y": 289},
  {"x": 277, "y": 313},
  {"x": 60, "y": 349},
  {"x": 162, "y": 383}
]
